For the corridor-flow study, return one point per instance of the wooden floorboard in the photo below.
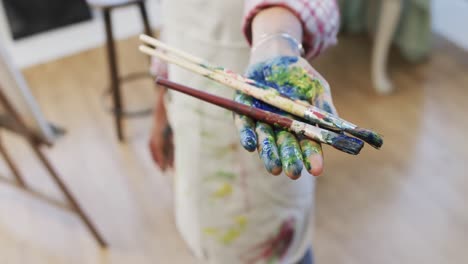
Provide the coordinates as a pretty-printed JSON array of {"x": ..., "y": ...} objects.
[{"x": 403, "y": 204}]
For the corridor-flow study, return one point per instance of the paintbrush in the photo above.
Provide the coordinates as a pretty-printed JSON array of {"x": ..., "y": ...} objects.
[
  {"x": 308, "y": 112},
  {"x": 339, "y": 141}
]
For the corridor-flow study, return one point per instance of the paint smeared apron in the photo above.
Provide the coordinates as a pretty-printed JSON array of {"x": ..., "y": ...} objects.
[{"x": 228, "y": 208}]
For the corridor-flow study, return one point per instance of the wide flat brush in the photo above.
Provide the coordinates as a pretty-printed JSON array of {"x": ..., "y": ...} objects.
[
  {"x": 339, "y": 141},
  {"x": 308, "y": 112}
]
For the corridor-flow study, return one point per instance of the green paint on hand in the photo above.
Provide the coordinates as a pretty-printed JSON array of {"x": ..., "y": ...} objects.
[
  {"x": 308, "y": 149},
  {"x": 290, "y": 153},
  {"x": 297, "y": 77}
]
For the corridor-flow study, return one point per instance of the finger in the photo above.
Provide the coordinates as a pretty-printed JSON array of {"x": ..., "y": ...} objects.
[
  {"x": 167, "y": 146},
  {"x": 245, "y": 125},
  {"x": 325, "y": 102},
  {"x": 290, "y": 154},
  {"x": 170, "y": 160},
  {"x": 267, "y": 149},
  {"x": 328, "y": 106},
  {"x": 312, "y": 155},
  {"x": 162, "y": 159},
  {"x": 154, "y": 156},
  {"x": 157, "y": 155}
]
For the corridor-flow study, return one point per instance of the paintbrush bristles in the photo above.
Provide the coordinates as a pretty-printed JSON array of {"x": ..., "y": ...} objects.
[
  {"x": 347, "y": 144},
  {"x": 369, "y": 136},
  {"x": 341, "y": 142},
  {"x": 374, "y": 139}
]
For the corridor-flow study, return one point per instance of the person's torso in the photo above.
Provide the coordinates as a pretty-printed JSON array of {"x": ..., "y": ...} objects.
[
  {"x": 229, "y": 209},
  {"x": 216, "y": 22}
]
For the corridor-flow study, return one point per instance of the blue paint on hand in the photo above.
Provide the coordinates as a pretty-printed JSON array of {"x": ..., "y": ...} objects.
[
  {"x": 248, "y": 139},
  {"x": 259, "y": 73},
  {"x": 269, "y": 155},
  {"x": 291, "y": 80}
]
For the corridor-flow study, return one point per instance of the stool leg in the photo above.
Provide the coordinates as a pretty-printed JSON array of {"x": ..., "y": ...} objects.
[
  {"x": 113, "y": 71},
  {"x": 144, "y": 17}
]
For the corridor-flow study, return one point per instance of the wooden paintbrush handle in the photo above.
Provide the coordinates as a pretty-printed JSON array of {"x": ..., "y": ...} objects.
[{"x": 255, "y": 113}]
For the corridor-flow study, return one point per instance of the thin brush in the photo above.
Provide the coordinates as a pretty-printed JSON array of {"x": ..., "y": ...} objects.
[
  {"x": 312, "y": 113},
  {"x": 339, "y": 141}
]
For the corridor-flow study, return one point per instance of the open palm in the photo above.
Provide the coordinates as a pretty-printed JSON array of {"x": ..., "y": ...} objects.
[{"x": 279, "y": 149}]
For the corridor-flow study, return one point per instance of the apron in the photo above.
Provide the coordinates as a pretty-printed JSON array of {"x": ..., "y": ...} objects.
[{"x": 228, "y": 208}]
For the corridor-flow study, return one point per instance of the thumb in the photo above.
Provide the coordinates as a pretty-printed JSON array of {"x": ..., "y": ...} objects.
[{"x": 326, "y": 103}]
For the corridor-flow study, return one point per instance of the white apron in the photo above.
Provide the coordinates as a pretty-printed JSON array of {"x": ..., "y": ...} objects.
[{"x": 228, "y": 208}]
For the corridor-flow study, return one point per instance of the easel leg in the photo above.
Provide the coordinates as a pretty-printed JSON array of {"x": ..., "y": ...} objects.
[
  {"x": 34, "y": 143},
  {"x": 68, "y": 195},
  {"x": 12, "y": 166}
]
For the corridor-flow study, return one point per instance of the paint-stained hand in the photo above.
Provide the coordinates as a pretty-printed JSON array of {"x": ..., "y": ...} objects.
[
  {"x": 161, "y": 141},
  {"x": 279, "y": 149}
]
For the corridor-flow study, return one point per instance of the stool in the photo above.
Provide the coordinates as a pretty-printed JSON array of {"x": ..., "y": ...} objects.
[{"x": 106, "y": 7}]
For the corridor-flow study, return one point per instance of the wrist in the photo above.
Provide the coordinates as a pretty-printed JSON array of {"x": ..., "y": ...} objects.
[
  {"x": 274, "y": 45},
  {"x": 160, "y": 104},
  {"x": 275, "y": 20},
  {"x": 276, "y": 31}
]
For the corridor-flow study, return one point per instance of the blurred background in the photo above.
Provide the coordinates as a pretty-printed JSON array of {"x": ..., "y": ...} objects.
[{"x": 75, "y": 176}]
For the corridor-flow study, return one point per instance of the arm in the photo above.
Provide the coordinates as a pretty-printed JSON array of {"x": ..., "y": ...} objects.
[
  {"x": 161, "y": 139},
  {"x": 275, "y": 20},
  {"x": 320, "y": 20}
]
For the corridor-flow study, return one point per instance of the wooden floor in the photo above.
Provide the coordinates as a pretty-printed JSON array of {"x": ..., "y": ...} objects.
[{"x": 406, "y": 203}]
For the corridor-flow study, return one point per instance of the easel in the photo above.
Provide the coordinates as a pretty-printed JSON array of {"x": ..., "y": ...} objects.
[{"x": 36, "y": 143}]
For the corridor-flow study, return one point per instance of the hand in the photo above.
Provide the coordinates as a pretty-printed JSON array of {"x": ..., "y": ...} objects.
[
  {"x": 161, "y": 141},
  {"x": 293, "y": 77}
]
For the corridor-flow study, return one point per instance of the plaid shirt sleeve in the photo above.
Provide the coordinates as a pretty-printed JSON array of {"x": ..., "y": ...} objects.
[{"x": 320, "y": 20}]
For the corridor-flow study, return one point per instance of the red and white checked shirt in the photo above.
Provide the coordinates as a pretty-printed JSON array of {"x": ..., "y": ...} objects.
[{"x": 320, "y": 20}]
